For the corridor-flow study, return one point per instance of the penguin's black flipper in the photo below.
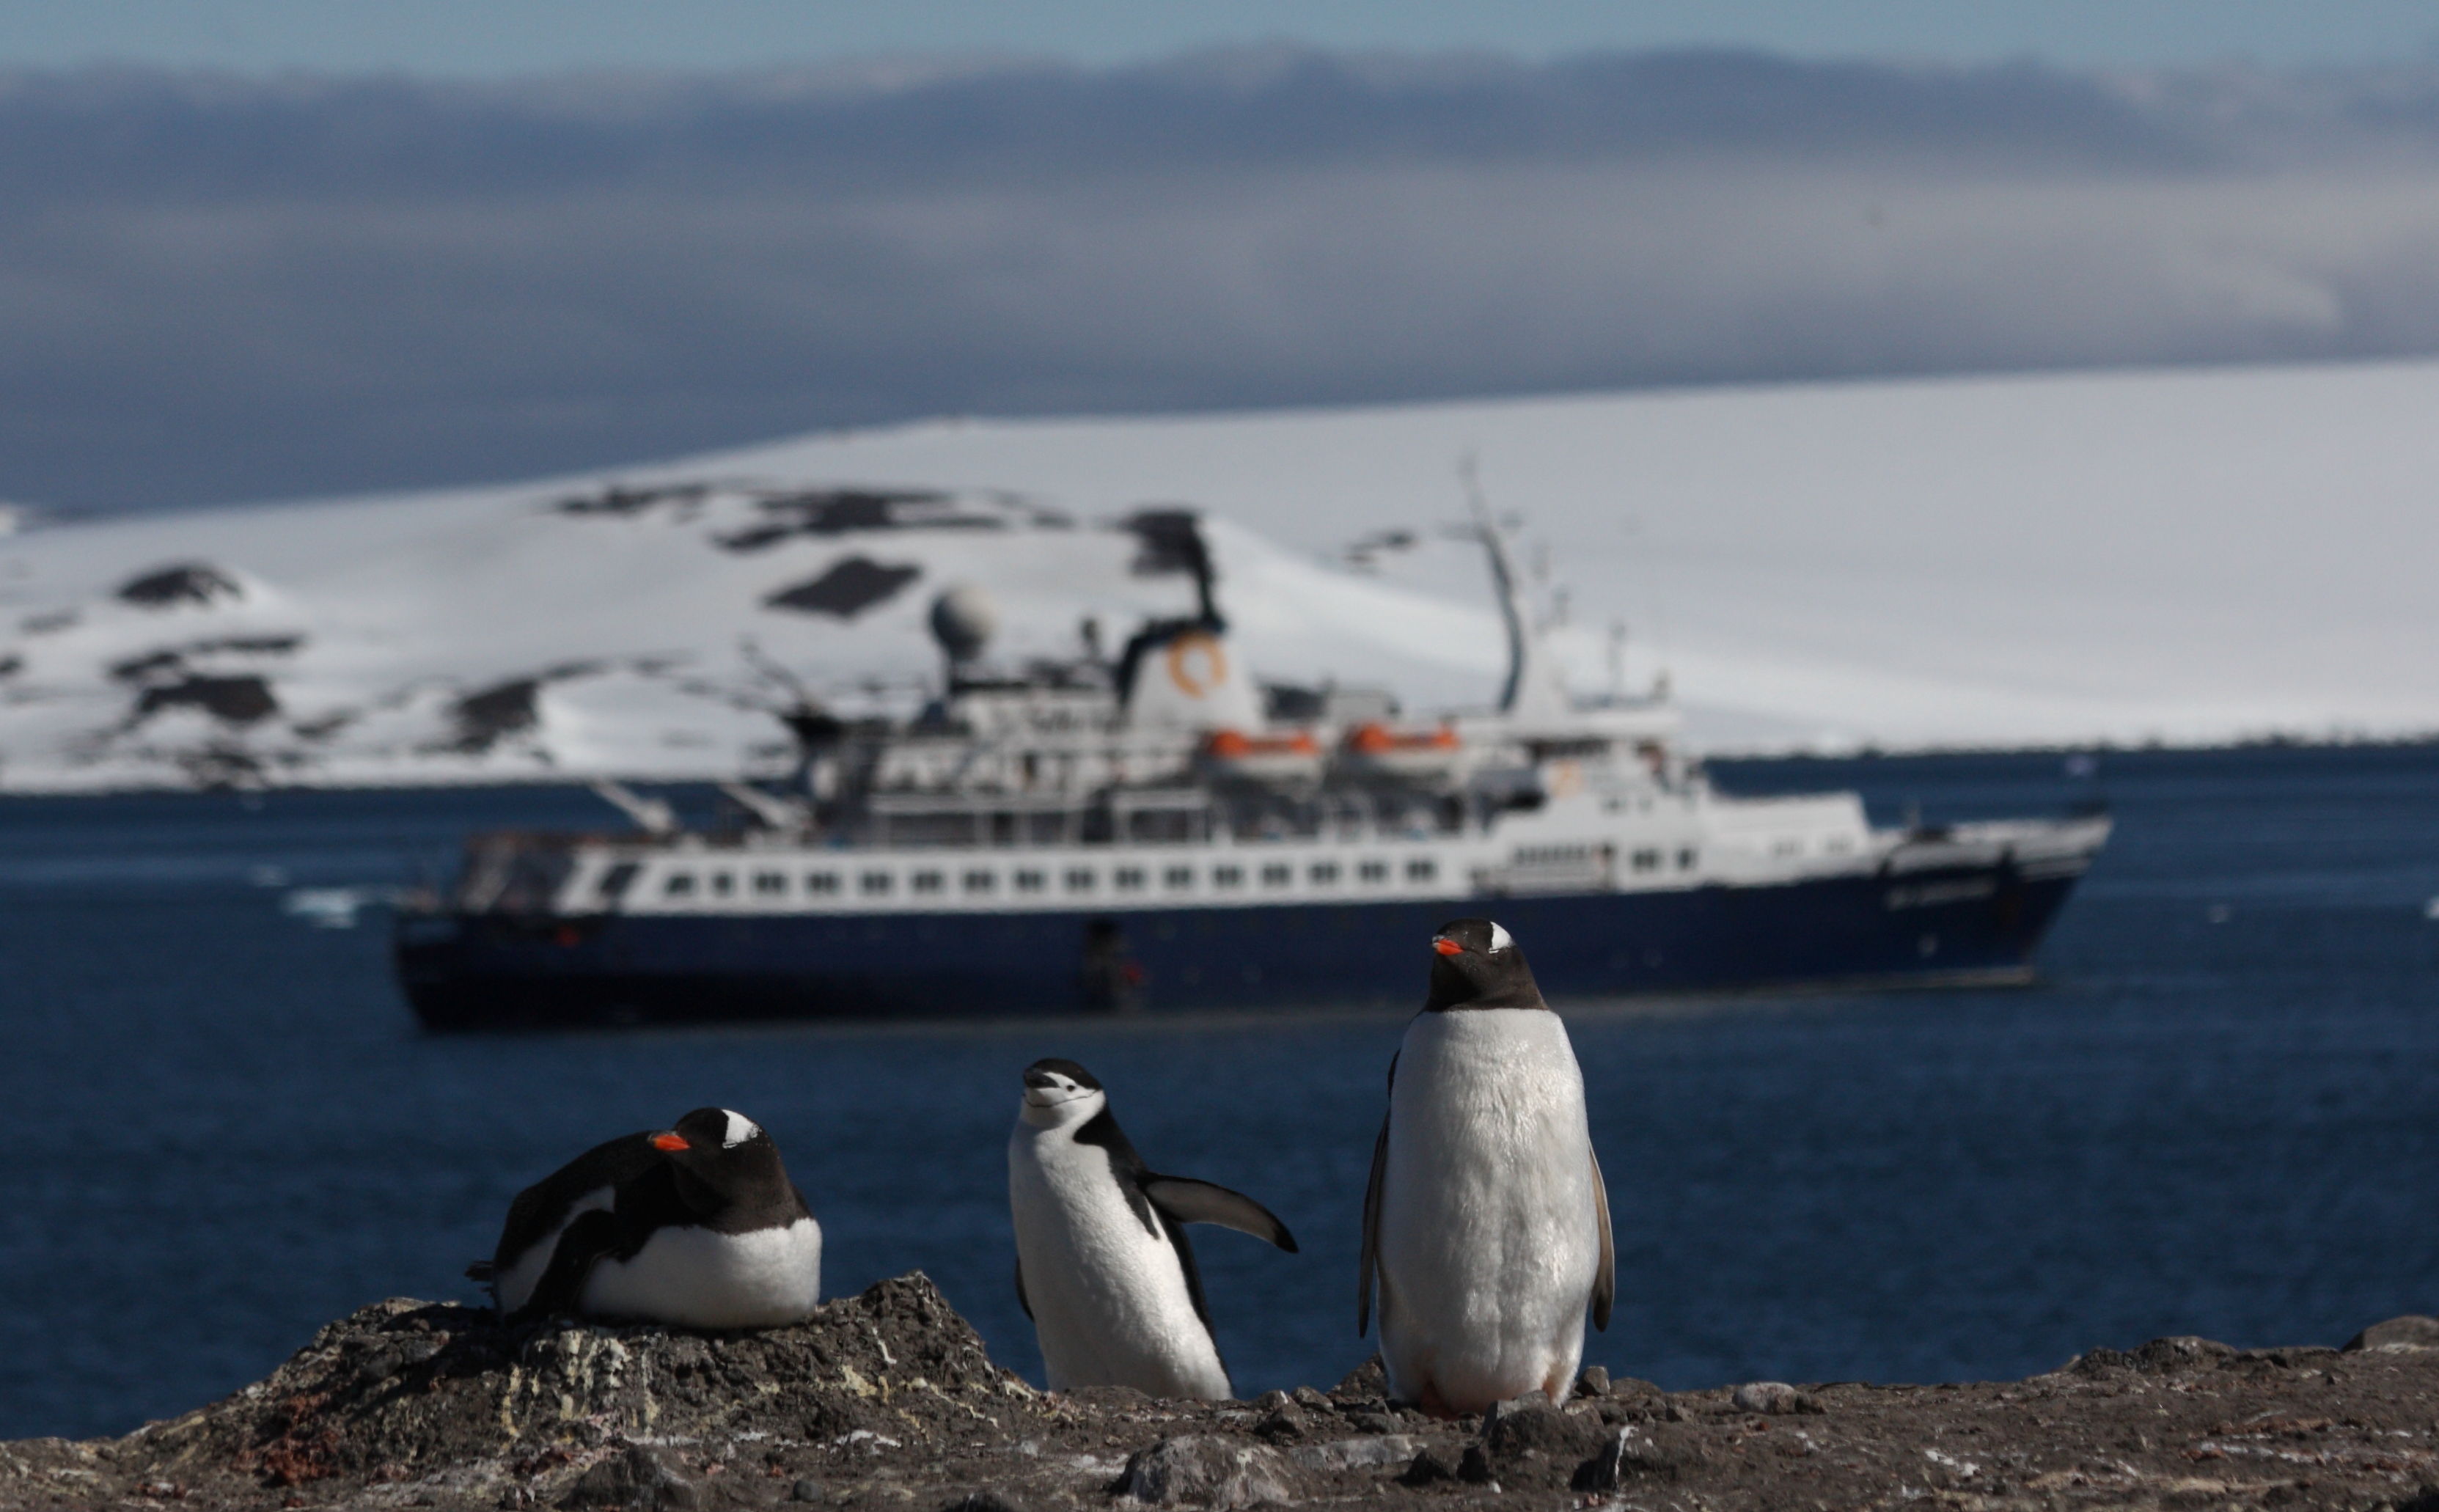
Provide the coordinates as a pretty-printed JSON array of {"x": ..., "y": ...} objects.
[
  {"x": 1189, "y": 1201},
  {"x": 1605, "y": 1279},
  {"x": 1022, "y": 1300},
  {"x": 543, "y": 1207},
  {"x": 1372, "y": 1218},
  {"x": 594, "y": 1234}
]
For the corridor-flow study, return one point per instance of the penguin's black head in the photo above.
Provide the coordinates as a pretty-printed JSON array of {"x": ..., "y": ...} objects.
[
  {"x": 1475, "y": 964},
  {"x": 722, "y": 1155},
  {"x": 1057, "y": 1091}
]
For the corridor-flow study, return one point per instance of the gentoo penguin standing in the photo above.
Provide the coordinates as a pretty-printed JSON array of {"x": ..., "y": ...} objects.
[
  {"x": 1102, "y": 1265},
  {"x": 695, "y": 1225},
  {"x": 1485, "y": 1223}
]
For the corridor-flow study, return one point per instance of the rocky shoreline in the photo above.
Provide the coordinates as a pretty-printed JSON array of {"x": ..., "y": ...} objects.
[{"x": 888, "y": 1400}]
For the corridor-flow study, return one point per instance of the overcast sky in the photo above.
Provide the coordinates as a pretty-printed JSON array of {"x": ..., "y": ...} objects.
[
  {"x": 228, "y": 286},
  {"x": 494, "y": 37}
]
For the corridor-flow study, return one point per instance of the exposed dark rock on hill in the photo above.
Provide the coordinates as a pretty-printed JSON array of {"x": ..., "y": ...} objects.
[
  {"x": 849, "y": 587},
  {"x": 241, "y": 700},
  {"x": 888, "y": 1400},
  {"x": 188, "y": 582}
]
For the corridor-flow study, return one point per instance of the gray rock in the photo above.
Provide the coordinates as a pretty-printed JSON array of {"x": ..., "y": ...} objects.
[
  {"x": 1429, "y": 1468},
  {"x": 1772, "y": 1397},
  {"x": 1530, "y": 1426},
  {"x": 1356, "y": 1454},
  {"x": 1208, "y": 1471},
  {"x": 2182, "y": 1351},
  {"x": 2413, "y": 1331},
  {"x": 1593, "y": 1383},
  {"x": 637, "y": 1480},
  {"x": 1367, "y": 1381}
]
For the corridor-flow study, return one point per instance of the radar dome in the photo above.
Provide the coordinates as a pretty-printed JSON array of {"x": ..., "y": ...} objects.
[{"x": 963, "y": 618}]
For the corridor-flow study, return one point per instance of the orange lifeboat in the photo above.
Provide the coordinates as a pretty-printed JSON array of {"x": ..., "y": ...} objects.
[
  {"x": 1376, "y": 749},
  {"x": 1293, "y": 756}
]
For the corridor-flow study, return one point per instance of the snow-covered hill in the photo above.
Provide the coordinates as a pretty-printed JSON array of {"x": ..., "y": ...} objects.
[{"x": 2184, "y": 556}]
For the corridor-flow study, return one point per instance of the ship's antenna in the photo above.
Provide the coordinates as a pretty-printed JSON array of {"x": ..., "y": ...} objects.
[{"x": 764, "y": 666}]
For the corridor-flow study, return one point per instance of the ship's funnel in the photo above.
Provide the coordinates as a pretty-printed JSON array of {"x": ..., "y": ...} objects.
[
  {"x": 963, "y": 619},
  {"x": 1183, "y": 675}
]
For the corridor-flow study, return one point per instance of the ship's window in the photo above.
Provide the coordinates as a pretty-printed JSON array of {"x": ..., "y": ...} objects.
[
  {"x": 1178, "y": 877},
  {"x": 1647, "y": 861},
  {"x": 769, "y": 883},
  {"x": 616, "y": 882},
  {"x": 1079, "y": 881},
  {"x": 1227, "y": 876},
  {"x": 1373, "y": 871},
  {"x": 1127, "y": 879},
  {"x": 1422, "y": 871},
  {"x": 1324, "y": 873},
  {"x": 681, "y": 885},
  {"x": 927, "y": 881},
  {"x": 1685, "y": 859},
  {"x": 1837, "y": 845},
  {"x": 1277, "y": 875},
  {"x": 875, "y": 882},
  {"x": 1786, "y": 847},
  {"x": 1028, "y": 882},
  {"x": 821, "y": 882},
  {"x": 981, "y": 882},
  {"x": 723, "y": 883}
]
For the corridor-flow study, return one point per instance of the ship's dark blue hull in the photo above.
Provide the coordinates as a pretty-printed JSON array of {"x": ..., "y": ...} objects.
[{"x": 492, "y": 971}]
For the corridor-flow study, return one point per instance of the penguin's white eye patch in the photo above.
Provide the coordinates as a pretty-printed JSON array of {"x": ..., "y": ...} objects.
[
  {"x": 1499, "y": 940},
  {"x": 741, "y": 1128}
]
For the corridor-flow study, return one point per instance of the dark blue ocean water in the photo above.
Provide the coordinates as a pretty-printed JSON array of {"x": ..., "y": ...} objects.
[{"x": 2219, "y": 1114}]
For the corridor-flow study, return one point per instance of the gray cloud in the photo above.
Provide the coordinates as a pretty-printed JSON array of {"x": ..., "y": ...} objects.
[{"x": 216, "y": 288}]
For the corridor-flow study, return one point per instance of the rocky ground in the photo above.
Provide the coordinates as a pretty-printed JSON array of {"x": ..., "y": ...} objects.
[{"x": 888, "y": 1400}]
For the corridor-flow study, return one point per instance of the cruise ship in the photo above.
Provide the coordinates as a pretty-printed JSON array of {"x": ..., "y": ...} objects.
[{"x": 1160, "y": 830}]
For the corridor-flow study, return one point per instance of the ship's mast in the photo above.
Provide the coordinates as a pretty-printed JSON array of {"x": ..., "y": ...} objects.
[{"x": 1534, "y": 690}]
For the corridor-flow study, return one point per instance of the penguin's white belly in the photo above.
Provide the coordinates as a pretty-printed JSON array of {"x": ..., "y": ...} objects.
[
  {"x": 1109, "y": 1296},
  {"x": 1488, "y": 1237},
  {"x": 700, "y": 1278},
  {"x": 513, "y": 1286}
]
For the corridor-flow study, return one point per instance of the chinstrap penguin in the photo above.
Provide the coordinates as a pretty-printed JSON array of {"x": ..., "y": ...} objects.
[
  {"x": 1102, "y": 1263},
  {"x": 695, "y": 1224},
  {"x": 1485, "y": 1223}
]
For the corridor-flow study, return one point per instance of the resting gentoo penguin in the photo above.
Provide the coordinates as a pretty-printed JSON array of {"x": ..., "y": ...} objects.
[
  {"x": 1486, "y": 1223},
  {"x": 695, "y": 1225},
  {"x": 1102, "y": 1265}
]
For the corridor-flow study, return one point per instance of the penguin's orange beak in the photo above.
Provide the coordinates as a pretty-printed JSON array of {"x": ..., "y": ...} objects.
[
  {"x": 1446, "y": 946},
  {"x": 671, "y": 1141}
]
